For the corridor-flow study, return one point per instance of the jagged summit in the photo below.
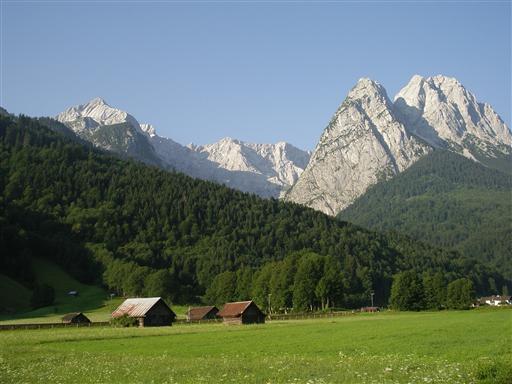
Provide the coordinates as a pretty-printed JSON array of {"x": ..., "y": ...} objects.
[
  {"x": 109, "y": 128},
  {"x": 367, "y": 83},
  {"x": 370, "y": 138},
  {"x": 441, "y": 111},
  {"x": 95, "y": 113},
  {"x": 280, "y": 163},
  {"x": 97, "y": 101},
  {"x": 363, "y": 143},
  {"x": 367, "y": 88}
]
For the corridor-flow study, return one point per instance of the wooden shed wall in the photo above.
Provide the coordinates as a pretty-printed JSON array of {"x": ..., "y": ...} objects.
[
  {"x": 252, "y": 315},
  {"x": 159, "y": 315}
]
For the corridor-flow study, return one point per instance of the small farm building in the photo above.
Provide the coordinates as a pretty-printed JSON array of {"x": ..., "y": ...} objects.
[
  {"x": 202, "y": 313},
  {"x": 149, "y": 312},
  {"x": 241, "y": 312},
  {"x": 75, "y": 318}
]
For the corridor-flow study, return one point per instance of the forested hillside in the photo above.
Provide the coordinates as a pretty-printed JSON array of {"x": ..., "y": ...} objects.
[
  {"x": 448, "y": 201},
  {"x": 139, "y": 230}
]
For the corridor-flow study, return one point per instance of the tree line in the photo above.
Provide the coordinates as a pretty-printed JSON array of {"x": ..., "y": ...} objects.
[{"x": 413, "y": 291}]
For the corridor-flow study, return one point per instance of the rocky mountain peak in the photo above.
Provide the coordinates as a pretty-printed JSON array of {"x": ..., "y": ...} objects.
[
  {"x": 441, "y": 111},
  {"x": 367, "y": 85},
  {"x": 110, "y": 128},
  {"x": 368, "y": 91},
  {"x": 93, "y": 114},
  {"x": 97, "y": 101},
  {"x": 369, "y": 138},
  {"x": 363, "y": 143},
  {"x": 277, "y": 166}
]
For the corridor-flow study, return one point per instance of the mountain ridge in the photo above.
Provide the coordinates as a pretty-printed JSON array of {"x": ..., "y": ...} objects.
[
  {"x": 263, "y": 169},
  {"x": 370, "y": 138}
]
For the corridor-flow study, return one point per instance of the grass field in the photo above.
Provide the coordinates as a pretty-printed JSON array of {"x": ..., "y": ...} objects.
[{"x": 442, "y": 347}]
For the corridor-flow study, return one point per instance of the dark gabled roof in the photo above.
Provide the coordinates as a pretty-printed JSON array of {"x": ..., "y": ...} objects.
[
  {"x": 138, "y": 307},
  {"x": 199, "y": 313},
  {"x": 236, "y": 309},
  {"x": 71, "y": 316}
]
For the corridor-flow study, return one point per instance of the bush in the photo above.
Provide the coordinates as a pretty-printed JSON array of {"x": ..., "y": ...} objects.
[{"x": 124, "y": 322}]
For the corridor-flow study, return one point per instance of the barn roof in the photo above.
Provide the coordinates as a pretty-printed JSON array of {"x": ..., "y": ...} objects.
[
  {"x": 138, "y": 307},
  {"x": 198, "y": 313},
  {"x": 71, "y": 316},
  {"x": 235, "y": 309}
]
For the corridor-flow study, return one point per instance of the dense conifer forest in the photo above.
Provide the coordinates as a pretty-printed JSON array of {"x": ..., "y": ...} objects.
[
  {"x": 140, "y": 230},
  {"x": 446, "y": 200}
]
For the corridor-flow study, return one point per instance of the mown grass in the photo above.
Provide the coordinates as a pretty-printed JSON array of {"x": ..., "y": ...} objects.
[{"x": 442, "y": 347}]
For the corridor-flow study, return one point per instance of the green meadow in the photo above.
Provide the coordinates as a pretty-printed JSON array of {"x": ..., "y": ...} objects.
[{"x": 429, "y": 347}]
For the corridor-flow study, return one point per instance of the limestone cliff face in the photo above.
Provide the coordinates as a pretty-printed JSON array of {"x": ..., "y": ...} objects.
[
  {"x": 277, "y": 166},
  {"x": 442, "y": 112},
  {"x": 364, "y": 143}
]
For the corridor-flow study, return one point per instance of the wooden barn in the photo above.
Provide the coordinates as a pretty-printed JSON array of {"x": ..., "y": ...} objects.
[
  {"x": 149, "y": 312},
  {"x": 241, "y": 312},
  {"x": 75, "y": 318},
  {"x": 202, "y": 313}
]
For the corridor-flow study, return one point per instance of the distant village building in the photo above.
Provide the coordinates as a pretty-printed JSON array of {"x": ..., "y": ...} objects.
[
  {"x": 149, "y": 312},
  {"x": 241, "y": 312},
  {"x": 496, "y": 300},
  {"x": 75, "y": 318},
  {"x": 202, "y": 313}
]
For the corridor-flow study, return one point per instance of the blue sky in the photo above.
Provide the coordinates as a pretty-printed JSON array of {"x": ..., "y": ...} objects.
[{"x": 256, "y": 71}]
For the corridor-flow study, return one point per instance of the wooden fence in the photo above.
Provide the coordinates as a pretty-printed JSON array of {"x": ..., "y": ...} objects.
[
  {"x": 275, "y": 317},
  {"x": 4, "y": 327},
  {"x": 307, "y": 315},
  {"x": 206, "y": 321}
]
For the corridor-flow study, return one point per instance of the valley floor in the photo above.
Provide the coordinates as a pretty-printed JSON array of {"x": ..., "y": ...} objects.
[{"x": 437, "y": 347}]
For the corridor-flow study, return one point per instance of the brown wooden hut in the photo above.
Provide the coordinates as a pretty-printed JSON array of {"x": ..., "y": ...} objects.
[
  {"x": 75, "y": 318},
  {"x": 202, "y": 313},
  {"x": 241, "y": 312},
  {"x": 149, "y": 312}
]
